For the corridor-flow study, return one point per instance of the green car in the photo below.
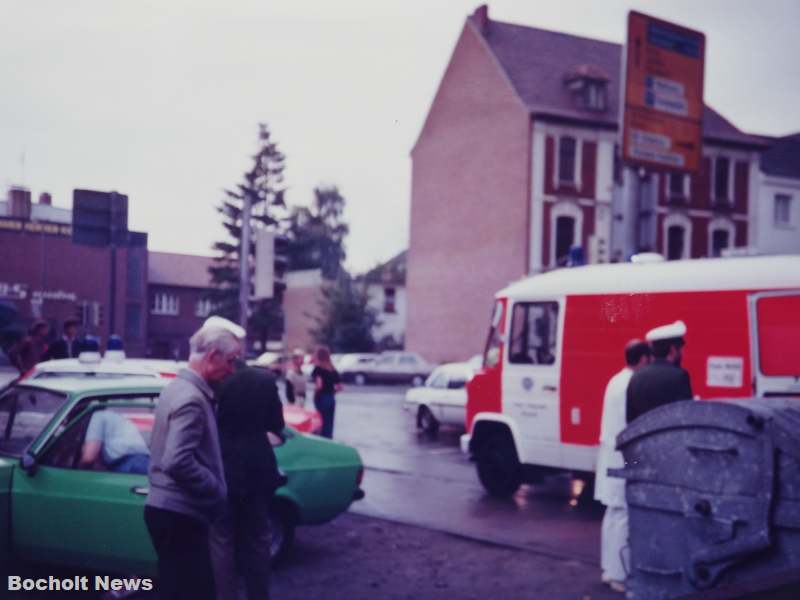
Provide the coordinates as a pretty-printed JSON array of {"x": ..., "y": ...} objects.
[{"x": 53, "y": 512}]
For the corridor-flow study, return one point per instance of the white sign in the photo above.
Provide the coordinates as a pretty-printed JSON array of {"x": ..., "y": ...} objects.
[
  {"x": 265, "y": 265},
  {"x": 725, "y": 371}
]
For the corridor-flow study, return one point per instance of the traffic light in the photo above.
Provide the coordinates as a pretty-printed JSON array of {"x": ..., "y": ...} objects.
[
  {"x": 80, "y": 313},
  {"x": 97, "y": 314}
]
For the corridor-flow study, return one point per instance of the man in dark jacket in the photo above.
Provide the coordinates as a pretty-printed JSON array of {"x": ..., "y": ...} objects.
[
  {"x": 663, "y": 381},
  {"x": 249, "y": 408},
  {"x": 187, "y": 484},
  {"x": 67, "y": 346}
]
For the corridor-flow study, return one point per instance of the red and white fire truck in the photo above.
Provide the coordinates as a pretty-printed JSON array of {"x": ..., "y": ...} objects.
[{"x": 556, "y": 339}]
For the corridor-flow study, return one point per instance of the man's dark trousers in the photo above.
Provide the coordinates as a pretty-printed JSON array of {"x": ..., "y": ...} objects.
[{"x": 184, "y": 561}]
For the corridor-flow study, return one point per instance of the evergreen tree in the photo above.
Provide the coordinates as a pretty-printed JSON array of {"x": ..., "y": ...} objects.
[
  {"x": 262, "y": 184},
  {"x": 316, "y": 234},
  {"x": 346, "y": 320}
]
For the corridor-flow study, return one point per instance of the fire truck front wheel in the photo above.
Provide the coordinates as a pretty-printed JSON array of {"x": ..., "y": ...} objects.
[{"x": 498, "y": 466}]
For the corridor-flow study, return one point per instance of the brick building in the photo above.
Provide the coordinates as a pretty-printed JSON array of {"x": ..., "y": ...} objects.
[
  {"x": 301, "y": 307},
  {"x": 43, "y": 274},
  {"x": 516, "y": 164},
  {"x": 177, "y": 290}
]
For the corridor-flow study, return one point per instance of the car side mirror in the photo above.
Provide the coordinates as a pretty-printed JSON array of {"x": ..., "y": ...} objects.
[{"x": 28, "y": 463}]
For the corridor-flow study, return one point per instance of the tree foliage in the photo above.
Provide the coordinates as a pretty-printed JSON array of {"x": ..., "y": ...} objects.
[
  {"x": 316, "y": 234},
  {"x": 263, "y": 185},
  {"x": 346, "y": 320}
]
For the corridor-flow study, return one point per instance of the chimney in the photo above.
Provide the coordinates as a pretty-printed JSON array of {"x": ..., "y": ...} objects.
[
  {"x": 481, "y": 17},
  {"x": 19, "y": 202},
  {"x": 46, "y": 199}
]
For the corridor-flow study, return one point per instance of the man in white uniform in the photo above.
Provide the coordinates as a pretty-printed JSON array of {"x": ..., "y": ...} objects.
[{"x": 611, "y": 490}]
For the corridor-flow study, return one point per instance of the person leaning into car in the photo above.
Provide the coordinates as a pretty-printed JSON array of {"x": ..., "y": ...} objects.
[
  {"x": 116, "y": 440},
  {"x": 187, "y": 485},
  {"x": 249, "y": 408}
]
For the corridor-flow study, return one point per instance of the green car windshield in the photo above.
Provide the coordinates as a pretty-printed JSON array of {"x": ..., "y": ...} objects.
[{"x": 24, "y": 413}]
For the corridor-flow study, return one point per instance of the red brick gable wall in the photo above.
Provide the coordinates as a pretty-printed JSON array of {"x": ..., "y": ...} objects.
[{"x": 470, "y": 199}]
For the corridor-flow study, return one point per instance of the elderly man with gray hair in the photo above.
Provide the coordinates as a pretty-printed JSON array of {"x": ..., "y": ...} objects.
[{"x": 187, "y": 485}]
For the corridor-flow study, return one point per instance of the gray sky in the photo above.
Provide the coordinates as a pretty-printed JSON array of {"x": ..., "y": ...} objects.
[{"x": 161, "y": 100}]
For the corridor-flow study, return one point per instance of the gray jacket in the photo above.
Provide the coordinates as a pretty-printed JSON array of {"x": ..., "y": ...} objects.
[{"x": 186, "y": 473}]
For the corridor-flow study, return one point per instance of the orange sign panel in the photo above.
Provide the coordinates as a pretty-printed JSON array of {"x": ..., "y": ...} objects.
[{"x": 663, "y": 117}]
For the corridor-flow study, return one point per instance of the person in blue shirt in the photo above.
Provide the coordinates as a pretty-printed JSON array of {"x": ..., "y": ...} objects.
[{"x": 117, "y": 441}]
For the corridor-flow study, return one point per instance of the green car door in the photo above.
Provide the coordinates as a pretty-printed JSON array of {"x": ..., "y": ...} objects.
[
  {"x": 7, "y": 466},
  {"x": 83, "y": 518}
]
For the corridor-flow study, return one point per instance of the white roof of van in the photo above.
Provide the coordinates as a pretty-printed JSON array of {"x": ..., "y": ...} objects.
[{"x": 709, "y": 274}]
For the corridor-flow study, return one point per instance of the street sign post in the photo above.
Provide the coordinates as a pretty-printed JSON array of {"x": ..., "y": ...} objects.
[{"x": 663, "y": 96}]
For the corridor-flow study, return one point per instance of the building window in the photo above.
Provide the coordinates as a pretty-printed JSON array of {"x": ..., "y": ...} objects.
[
  {"x": 720, "y": 240},
  {"x": 565, "y": 238},
  {"x": 783, "y": 210},
  {"x": 389, "y": 294},
  {"x": 203, "y": 307},
  {"x": 566, "y": 223},
  {"x": 722, "y": 181},
  {"x": 596, "y": 95},
  {"x": 567, "y": 158},
  {"x": 721, "y": 235},
  {"x": 165, "y": 304},
  {"x": 676, "y": 242},
  {"x": 678, "y": 186},
  {"x": 534, "y": 333}
]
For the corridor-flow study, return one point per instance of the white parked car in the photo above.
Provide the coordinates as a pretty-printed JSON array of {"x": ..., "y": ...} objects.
[{"x": 443, "y": 398}]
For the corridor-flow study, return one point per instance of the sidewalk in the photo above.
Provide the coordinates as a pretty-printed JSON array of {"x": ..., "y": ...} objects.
[{"x": 359, "y": 558}]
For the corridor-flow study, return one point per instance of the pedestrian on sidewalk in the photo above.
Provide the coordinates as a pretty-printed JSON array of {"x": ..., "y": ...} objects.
[
  {"x": 296, "y": 379},
  {"x": 187, "y": 485},
  {"x": 611, "y": 490},
  {"x": 249, "y": 409},
  {"x": 32, "y": 349},
  {"x": 326, "y": 383},
  {"x": 67, "y": 346}
]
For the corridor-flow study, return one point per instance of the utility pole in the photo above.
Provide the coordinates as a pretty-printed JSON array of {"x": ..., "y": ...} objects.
[{"x": 244, "y": 262}]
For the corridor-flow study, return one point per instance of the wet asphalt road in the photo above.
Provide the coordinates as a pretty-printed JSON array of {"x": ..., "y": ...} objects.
[{"x": 414, "y": 478}]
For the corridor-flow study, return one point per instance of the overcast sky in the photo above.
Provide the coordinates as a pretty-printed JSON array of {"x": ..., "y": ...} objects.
[{"x": 161, "y": 99}]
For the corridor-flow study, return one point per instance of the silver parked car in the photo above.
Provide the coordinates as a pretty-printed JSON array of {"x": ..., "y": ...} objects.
[{"x": 391, "y": 367}]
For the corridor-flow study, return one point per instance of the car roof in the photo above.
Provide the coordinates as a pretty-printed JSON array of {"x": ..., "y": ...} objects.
[
  {"x": 709, "y": 274},
  {"x": 70, "y": 365},
  {"x": 82, "y": 385},
  {"x": 456, "y": 368}
]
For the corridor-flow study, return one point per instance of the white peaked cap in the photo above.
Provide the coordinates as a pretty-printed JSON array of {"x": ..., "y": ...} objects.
[
  {"x": 667, "y": 332},
  {"x": 223, "y": 323}
]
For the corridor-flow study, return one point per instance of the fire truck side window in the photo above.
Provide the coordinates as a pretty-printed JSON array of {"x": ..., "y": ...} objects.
[{"x": 533, "y": 333}]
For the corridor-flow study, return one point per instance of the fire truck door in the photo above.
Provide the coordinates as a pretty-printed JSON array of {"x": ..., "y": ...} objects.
[
  {"x": 530, "y": 379},
  {"x": 775, "y": 342}
]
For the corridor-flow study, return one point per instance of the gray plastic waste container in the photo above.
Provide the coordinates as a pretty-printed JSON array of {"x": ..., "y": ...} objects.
[{"x": 713, "y": 490}]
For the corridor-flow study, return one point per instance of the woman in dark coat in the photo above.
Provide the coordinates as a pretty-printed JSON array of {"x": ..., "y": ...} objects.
[
  {"x": 326, "y": 384},
  {"x": 249, "y": 407}
]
